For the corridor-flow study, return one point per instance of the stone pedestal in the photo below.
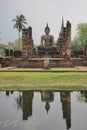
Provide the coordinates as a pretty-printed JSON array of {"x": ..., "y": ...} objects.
[{"x": 46, "y": 64}]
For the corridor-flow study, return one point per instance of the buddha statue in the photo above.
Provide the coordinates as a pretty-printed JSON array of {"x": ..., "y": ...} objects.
[
  {"x": 47, "y": 48},
  {"x": 47, "y": 41}
]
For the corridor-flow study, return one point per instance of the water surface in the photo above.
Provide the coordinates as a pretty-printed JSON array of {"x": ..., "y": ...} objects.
[{"x": 43, "y": 110}]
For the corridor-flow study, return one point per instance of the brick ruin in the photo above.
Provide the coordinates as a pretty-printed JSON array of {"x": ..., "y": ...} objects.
[
  {"x": 63, "y": 46},
  {"x": 27, "y": 43},
  {"x": 61, "y": 49},
  {"x": 27, "y": 46},
  {"x": 59, "y": 57},
  {"x": 64, "y": 40}
]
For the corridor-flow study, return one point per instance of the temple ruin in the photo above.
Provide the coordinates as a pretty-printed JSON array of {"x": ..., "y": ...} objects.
[
  {"x": 47, "y": 47},
  {"x": 49, "y": 53},
  {"x": 64, "y": 40}
]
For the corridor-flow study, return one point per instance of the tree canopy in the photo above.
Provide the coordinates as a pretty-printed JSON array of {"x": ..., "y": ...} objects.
[
  {"x": 15, "y": 46},
  {"x": 2, "y": 48},
  {"x": 80, "y": 39},
  {"x": 20, "y": 22}
]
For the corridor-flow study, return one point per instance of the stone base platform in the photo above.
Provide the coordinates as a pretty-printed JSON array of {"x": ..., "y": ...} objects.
[{"x": 43, "y": 62}]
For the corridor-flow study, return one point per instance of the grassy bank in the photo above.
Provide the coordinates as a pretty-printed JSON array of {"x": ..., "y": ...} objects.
[
  {"x": 43, "y": 81},
  {"x": 57, "y": 69}
]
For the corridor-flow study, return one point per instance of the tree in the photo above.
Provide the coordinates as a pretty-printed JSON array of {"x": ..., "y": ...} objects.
[
  {"x": 81, "y": 96},
  {"x": 80, "y": 39},
  {"x": 2, "y": 50},
  {"x": 20, "y": 22},
  {"x": 18, "y": 45},
  {"x": 10, "y": 45},
  {"x": 15, "y": 46}
]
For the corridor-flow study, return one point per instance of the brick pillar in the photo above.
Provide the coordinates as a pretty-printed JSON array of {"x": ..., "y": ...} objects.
[
  {"x": 65, "y": 41},
  {"x": 62, "y": 46},
  {"x": 27, "y": 43},
  {"x": 68, "y": 40}
]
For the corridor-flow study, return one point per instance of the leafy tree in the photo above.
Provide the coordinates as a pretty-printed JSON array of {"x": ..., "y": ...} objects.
[
  {"x": 20, "y": 22},
  {"x": 15, "y": 46},
  {"x": 10, "y": 46},
  {"x": 18, "y": 45},
  {"x": 80, "y": 39},
  {"x": 2, "y": 49},
  {"x": 36, "y": 48}
]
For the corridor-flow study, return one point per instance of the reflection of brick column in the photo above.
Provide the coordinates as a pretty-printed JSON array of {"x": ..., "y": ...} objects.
[
  {"x": 66, "y": 107},
  {"x": 27, "y": 43},
  {"x": 27, "y": 104}
]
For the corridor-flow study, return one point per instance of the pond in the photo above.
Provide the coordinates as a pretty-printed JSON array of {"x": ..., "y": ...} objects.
[{"x": 43, "y": 110}]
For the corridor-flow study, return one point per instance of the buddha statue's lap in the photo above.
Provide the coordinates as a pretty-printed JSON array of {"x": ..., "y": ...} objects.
[{"x": 47, "y": 40}]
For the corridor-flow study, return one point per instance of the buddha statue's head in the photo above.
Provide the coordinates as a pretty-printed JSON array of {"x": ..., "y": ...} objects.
[{"x": 47, "y": 29}]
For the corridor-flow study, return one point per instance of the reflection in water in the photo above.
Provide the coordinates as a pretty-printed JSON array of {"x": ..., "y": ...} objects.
[
  {"x": 19, "y": 101},
  {"x": 24, "y": 102},
  {"x": 85, "y": 94},
  {"x": 66, "y": 107},
  {"x": 82, "y": 96},
  {"x": 7, "y": 93},
  {"x": 27, "y": 104},
  {"x": 47, "y": 96}
]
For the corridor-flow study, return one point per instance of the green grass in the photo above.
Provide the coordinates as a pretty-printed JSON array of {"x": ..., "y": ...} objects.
[
  {"x": 26, "y": 69},
  {"x": 57, "y": 69},
  {"x": 43, "y": 81},
  {"x": 64, "y": 69}
]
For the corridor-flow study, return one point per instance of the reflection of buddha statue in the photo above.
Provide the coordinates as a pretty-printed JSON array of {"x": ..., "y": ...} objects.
[{"x": 47, "y": 41}]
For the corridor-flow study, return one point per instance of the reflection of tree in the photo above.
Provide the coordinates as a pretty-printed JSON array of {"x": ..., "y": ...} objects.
[
  {"x": 9, "y": 92},
  {"x": 19, "y": 101},
  {"x": 82, "y": 96},
  {"x": 47, "y": 96},
  {"x": 66, "y": 107}
]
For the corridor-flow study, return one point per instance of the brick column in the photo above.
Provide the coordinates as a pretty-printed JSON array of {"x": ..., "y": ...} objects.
[
  {"x": 68, "y": 41},
  {"x": 27, "y": 43},
  {"x": 65, "y": 41}
]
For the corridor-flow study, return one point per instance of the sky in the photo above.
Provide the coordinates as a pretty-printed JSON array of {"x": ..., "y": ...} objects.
[{"x": 37, "y": 14}]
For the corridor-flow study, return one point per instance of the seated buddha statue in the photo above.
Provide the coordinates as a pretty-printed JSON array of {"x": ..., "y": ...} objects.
[
  {"x": 47, "y": 41},
  {"x": 47, "y": 48}
]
